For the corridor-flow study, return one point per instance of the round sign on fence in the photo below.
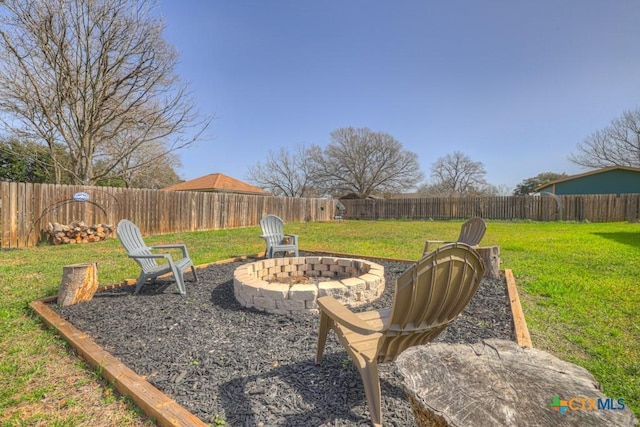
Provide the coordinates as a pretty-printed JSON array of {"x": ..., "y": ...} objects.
[{"x": 81, "y": 196}]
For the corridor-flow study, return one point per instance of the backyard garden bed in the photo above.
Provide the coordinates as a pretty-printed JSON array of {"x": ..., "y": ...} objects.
[{"x": 220, "y": 360}]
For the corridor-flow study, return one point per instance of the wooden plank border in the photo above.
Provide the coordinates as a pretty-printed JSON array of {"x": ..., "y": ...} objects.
[
  {"x": 519, "y": 324},
  {"x": 157, "y": 405}
]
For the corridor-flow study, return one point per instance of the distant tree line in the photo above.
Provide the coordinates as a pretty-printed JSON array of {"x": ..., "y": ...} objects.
[
  {"x": 361, "y": 163},
  {"x": 356, "y": 161}
]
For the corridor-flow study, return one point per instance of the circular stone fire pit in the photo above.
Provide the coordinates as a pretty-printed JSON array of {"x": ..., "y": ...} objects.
[{"x": 291, "y": 285}]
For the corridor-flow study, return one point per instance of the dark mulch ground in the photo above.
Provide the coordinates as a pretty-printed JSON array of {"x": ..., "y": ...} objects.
[{"x": 251, "y": 368}]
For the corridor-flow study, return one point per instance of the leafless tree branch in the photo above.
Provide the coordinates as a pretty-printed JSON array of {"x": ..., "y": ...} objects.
[
  {"x": 616, "y": 145},
  {"x": 91, "y": 74}
]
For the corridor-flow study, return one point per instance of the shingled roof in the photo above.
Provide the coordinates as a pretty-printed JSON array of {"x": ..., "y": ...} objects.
[{"x": 218, "y": 183}]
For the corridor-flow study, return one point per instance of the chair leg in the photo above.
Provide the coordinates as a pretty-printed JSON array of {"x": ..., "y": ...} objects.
[
  {"x": 193, "y": 270},
  {"x": 371, "y": 381},
  {"x": 177, "y": 275},
  {"x": 323, "y": 330},
  {"x": 180, "y": 283},
  {"x": 141, "y": 279}
]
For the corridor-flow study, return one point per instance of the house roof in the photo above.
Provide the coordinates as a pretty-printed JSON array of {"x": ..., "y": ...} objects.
[
  {"x": 217, "y": 182},
  {"x": 580, "y": 175}
]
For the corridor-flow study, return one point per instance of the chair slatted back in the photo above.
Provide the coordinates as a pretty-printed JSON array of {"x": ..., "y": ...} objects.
[
  {"x": 429, "y": 296},
  {"x": 131, "y": 238},
  {"x": 272, "y": 229},
  {"x": 472, "y": 231}
]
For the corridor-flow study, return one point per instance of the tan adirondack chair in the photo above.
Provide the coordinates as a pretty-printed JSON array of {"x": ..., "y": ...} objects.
[
  {"x": 273, "y": 234},
  {"x": 471, "y": 233},
  {"x": 131, "y": 238},
  {"x": 428, "y": 296}
]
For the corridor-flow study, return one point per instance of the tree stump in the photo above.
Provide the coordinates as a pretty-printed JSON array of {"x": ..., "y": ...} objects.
[
  {"x": 498, "y": 383},
  {"x": 79, "y": 283},
  {"x": 491, "y": 257}
]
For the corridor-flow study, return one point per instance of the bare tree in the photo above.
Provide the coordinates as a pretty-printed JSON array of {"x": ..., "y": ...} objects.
[
  {"x": 286, "y": 173},
  {"x": 457, "y": 175},
  {"x": 616, "y": 145},
  {"x": 363, "y": 162},
  {"x": 85, "y": 73}
]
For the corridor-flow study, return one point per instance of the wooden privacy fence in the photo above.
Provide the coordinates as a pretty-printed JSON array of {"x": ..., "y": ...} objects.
[
  {"x": 594, "y": 208},
  {"x": 26, "y": 209}
]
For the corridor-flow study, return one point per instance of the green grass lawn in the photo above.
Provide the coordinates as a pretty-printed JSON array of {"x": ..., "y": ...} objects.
[{"x": 578, "y": 284}]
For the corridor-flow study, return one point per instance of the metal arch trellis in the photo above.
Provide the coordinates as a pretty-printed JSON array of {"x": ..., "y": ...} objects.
[
  {"x": 558, "y": 201},
  {"x": 67, "y": 199}
]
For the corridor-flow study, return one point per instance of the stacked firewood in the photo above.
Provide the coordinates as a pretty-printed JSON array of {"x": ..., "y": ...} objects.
[{"x": 78, "y": 232}]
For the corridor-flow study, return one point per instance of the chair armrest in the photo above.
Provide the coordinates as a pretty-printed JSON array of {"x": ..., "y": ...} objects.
[
  {"x": 180, "y": 246},
  {"x": 342, "y": 315},
  {"x": 150, "y": 256},
  {"x": 429, "y": 242}
]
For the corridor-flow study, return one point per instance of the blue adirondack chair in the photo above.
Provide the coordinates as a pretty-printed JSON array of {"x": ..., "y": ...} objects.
[
  {"x": 131, "y": 238},
  {"x": 273, "y": 234}
]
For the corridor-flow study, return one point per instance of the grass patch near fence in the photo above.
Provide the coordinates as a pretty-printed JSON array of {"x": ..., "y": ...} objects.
[{"x": 578, "y": 285}]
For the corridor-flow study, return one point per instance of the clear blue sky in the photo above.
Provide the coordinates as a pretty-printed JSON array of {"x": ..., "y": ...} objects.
[{"x": 513, "y": 84}]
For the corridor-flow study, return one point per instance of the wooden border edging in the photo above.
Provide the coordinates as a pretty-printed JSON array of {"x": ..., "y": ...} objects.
[
  {"x": 519, "y": 324},
  {"x": 157, "y": 405}
]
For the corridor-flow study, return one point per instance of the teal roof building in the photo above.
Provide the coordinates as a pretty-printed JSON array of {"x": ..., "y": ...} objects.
[{"x": 611, "y": 180}]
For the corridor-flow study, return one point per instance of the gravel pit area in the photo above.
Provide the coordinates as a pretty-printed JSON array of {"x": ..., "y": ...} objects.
[{"x": 252, "y": 368}]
